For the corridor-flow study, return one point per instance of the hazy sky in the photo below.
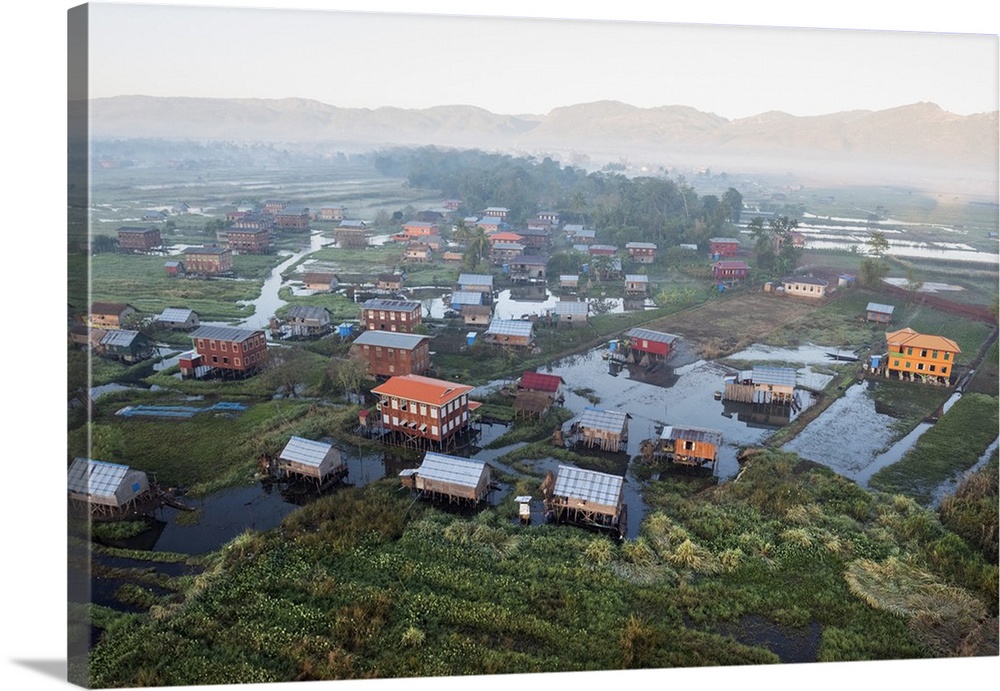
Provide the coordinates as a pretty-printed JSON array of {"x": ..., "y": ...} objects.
[{"x": 532, "y": 65}]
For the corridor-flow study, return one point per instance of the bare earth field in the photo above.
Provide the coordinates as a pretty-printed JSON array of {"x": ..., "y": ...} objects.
[{"x": 734, "y": 322}]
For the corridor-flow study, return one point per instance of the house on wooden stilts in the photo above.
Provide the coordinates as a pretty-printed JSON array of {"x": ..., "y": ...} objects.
[
  {"x": 607, "y": 429},
  {"x": 109, "y": 490},
  {"x": 585, "y": 497},
  {"x": 450, "y": 479},
  {"x": 313, "y": 460},
  {"x": 690, "y": 446},
  {"x": 770, "y": 385}
]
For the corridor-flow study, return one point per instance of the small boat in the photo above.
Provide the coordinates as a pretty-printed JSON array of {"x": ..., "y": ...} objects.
[{"x": 717, "y": 395}]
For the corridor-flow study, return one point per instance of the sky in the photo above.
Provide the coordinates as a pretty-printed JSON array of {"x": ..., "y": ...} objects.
[
  {"x": 525, "y": 65},
  {"x": 35, "y": 87}
]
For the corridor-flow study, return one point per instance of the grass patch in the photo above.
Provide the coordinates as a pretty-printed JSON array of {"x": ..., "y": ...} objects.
[{"x": 952, "y": 445}]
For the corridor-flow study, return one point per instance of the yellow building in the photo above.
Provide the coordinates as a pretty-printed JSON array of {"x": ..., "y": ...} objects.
[{"x": 920, "y": 357}]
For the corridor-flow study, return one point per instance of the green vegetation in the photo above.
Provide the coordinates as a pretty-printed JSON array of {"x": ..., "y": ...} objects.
[
  {"x": 365, "y": 584},
  {"x": 952, "y": 445},
  {"x": 971, "y": 511}
]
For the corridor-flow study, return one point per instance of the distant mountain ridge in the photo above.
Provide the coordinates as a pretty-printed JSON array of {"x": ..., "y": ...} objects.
[{"x": 921, "y": 134}]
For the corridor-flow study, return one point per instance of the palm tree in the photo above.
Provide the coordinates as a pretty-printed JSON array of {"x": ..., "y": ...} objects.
[{"x": 477, "y": 247}]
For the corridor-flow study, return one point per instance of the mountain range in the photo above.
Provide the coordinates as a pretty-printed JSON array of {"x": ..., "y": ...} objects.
[{"x": 915, "y": 141}]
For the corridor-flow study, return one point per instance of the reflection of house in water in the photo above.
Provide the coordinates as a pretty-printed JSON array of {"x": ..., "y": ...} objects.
[
  {"x": 531, "y": 292},
  {"x": 769, "y": 415},
  {"x": 763, "y": 385},
  {"x": 655, "y": 374}
]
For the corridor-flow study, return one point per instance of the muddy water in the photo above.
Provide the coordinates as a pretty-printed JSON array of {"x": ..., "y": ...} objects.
[{"x": 854, "y": 440}]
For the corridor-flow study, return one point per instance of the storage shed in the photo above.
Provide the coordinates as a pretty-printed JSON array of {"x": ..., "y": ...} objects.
[
  {"x": 450, "y": 478},
  {"x": 607, "y": 429},
  {"x": 877, "y": 312},
  {"x": 646, "y": 344},
  {"x": 571, "y": 312},
  {"x": 109, "y": 489},
  {"x": 513, "y": 332},
  {"x": 762, "y": 385},
  {"x": 585, "y": 497},
  {"x": 691, "y": 446},
  {"x": 315, "y": 460}
]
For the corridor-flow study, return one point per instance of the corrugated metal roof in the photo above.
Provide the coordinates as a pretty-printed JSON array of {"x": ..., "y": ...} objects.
[
  {"x": 649, "y": 335},
  {"x": 225, "y": 333},
  {"x": 305, "y": 451},
  {"x": 637, "y": 278},
  {"x": 736, "y": 240},
  {"x": 712, "y": 436},
  {"x": 512, "y": 246},
  {"x": 780, "y": 376},
  {"x": 444, "y": 468},
  {"x": 95, "y": 478},
  {"x": 571, "y": 307},
  {"x": 879, "y": 307},
  {"x": 308, "y": 312},
  {"x": 611, "y": 420},
  {"x": 391, "y": 339},
  {"x": 120, "y": 338},
  {"x": 569, "y": 277},
  {"x": 175, "y": 314},
  {"x": 528, "y": 260},
  {"x": 807, "y": 280},
  {"x": 385, "y": 304},
  {"x": 206, "y": 250},
  {"x": 475, "y": 280},
  {"x": 589, "y": 485},
  {"x": 640, "y": 246},
  {"x": 466, "y": 297},
  {"x": 510, "y": 327}
]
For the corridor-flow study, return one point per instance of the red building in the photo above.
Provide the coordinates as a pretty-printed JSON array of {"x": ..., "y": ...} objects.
[
  {"x": 232, "y": 350},
  {"x": 730, "y": 270},
  {"x": 641, "y": 252},
  {"x": 723, "y": 247},
  {"x": 208, "y": 260},
  {"x": 644, "y": 342},
  {"x": 248, "y": 240},
  {"x": 393, "y": 354},
  {"x": 292, "y": 218},
  {"x": 138, "y": 239},
  {"x": 423, "y": 411},
  {"x": 391, "y": 315}
]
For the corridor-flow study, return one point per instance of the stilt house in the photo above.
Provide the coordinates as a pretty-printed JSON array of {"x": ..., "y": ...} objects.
[
  {"x": 315, "y": 460},
  {"x": 585, "y": 497},
  {"x": 607, "y": 429},
  {"x": 691, "y": 446},
  {"x": 107, "y": 488},
  {"x": 456, "y": 480}
]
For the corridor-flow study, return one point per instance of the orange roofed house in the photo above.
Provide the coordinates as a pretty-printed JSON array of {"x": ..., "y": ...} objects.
[
  {"x": 422, "y": 412},
  {"x": 920, "y": 357}
]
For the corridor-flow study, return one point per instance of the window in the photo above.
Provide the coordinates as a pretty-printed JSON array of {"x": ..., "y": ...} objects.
[
  {"x": 434, "y": 430},
  {"x": 423, "y": 409},
  {"x": 934, "y": 355},
  {"x": 215, "y": 359},
  {"x": 947, "y": 356},
  {"x": 223, "y": 346},
  {"x": 895, "y": 363},
  {"x": 225, "y": 361},
  {"x": 201, "y": 343},
  {"x": 236, "y": 361},
  {"x": 933, "y": 368},
  {"x": 944, "y": 370},
  {"x": 688, "y": 445},
  {"x": 923, "y": 353},
  {"x": 920, "y": 366},
  {"x": 395, "y": 403},
  {"x": 909, "y": 351},
  {"x": 907, "y": 364}
]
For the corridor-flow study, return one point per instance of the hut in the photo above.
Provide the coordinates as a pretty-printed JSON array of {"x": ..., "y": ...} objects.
[
  {"x": 646, "y": 344},
  {"x": 126, "y": 345},
  {"x": 636, "y": 284},
  {"x": 549, "y": 384},
  {"x": 320, "y": 281},
  {"x": 571, "y": 312},
  {"x": 315, "y": 460},
  {"x": 460, "y": 298},
  {"x": 476, "y": 315},
  {"x": 607, "y": 429},
  {"x": 691, "y": 446},
  {"x": 108, "y": 489},
  {"x": 762, "y": 385},
  {"x": 482, "y": 283},
  {"x": 512, "y": 332},
  {"x": 307, "y": 321},
  {"x": 585, "y": 497},
  {"x": 879, "y": 313},
  {"x": 449, "y": 478},
  {"x": 531, "y": 404},
  {"x": 569, "y": 281},
  {"x": 180, "y": 318}
]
